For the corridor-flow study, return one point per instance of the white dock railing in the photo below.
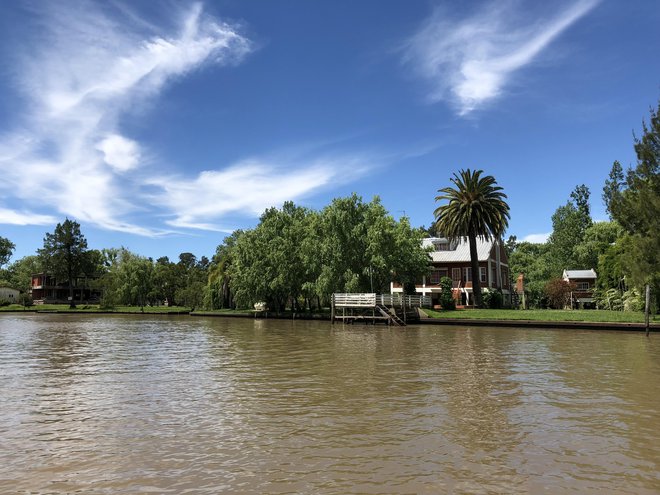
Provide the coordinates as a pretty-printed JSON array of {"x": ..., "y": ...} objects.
[
  {"x": 367, "y": 300},
  {"x": 348, "y": 300},
  {"x": 410, "y": 300}
]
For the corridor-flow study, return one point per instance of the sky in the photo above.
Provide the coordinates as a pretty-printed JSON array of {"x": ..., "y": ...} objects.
[{"x": 162, "y": 126}]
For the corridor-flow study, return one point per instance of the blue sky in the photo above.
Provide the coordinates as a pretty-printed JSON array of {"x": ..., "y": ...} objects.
[{"x": 161, "y": 126}]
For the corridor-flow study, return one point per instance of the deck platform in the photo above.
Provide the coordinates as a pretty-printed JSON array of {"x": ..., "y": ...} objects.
[{"x": 392, "y": 309}]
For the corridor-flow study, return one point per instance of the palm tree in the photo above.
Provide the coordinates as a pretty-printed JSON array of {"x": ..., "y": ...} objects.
[{"x": 476, "y": 208}]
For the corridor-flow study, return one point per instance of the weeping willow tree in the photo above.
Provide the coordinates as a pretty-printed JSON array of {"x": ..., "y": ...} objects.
[{"x": 475, "y": 208}]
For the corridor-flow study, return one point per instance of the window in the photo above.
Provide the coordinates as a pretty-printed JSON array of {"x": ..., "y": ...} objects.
[
  {"x": 583, "y": 286},
  {"x": 442, "y": 246},
  {"x": 482, "y": 274},
  {"x": 468, "y": 274},
  {"x": 456, "y": 274},
  {"x": 435, "y": 277}
]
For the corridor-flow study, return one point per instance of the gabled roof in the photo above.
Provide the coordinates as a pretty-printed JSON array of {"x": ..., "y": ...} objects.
[
  {"x": 570, "y": 274},
  {"x": 462, "y": 251}
]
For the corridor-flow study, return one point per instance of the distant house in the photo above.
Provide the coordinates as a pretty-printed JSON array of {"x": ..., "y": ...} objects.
[
  {"x": 9, "y": 294},
  {"x": 452, "y": 259},
  {"x": 46, "y": 289},
  {"x": 585, "y": 281}
]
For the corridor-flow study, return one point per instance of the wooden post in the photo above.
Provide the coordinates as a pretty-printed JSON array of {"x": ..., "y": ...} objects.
[
  {"x": 332, "y": 309},
  {"x": 647, "y": 310}
]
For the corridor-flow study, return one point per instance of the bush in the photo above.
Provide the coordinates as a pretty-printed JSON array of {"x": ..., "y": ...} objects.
[
  {"x": 609, "y": 299},
  {"x": 25, "y": 300},
  {"x": 633, "y": 300},
  {"x": 559, "y": 292},
  {"x": 4, "y": 302},
  {"x": 447, "y": 300},
  {"x": 493, "y": 299}
]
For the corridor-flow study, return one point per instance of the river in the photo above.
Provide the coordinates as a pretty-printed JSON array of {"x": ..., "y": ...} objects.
[{"x": 184, "y": 405}]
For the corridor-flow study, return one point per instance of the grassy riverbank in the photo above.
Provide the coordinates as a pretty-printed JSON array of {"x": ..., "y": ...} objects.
[
  {"x": 540, "y": 315},
  {"x": 586, "y": 315},
  {"x": 94, "y": 308}
]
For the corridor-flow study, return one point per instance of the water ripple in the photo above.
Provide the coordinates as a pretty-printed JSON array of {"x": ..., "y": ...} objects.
[{"x": 124, "y": 405}]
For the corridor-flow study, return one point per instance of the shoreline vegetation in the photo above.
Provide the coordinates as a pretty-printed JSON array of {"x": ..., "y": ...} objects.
[{"x": 546, "y": 318}]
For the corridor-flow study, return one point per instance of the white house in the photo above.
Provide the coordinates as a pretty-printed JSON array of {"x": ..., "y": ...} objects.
[{"x": 9, "y": 294}]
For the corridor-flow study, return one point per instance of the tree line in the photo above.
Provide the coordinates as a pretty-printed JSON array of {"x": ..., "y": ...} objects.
[
  {"x": 297, "y": 257},
  {"x": 294, "y": 258},
  {"x": 624, "y": 251}
]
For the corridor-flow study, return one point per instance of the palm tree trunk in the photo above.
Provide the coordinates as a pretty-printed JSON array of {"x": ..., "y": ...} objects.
[{"x": 474, "y": 261}]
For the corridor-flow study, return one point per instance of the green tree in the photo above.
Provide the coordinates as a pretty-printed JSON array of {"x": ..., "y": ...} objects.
[
  {"x": 296, "y": 255},
  {"x": 596, "y": 241},
  {"x": 532, "y": 260},
  {"x": 6, "y": 250},
  {"x": 569, "y": 225},
  {"x": 218, "y": 289},
  {"x": 64, "y": 253},
  {"x": 19, "y": 273},
  {"x": 192, "y": 279},
  {"x": 476, "y": 208},
  {"x": 635, "y": 205}
]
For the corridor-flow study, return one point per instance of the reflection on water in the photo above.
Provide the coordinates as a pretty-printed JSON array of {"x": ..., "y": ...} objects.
[{"x": 120, "y": 404}]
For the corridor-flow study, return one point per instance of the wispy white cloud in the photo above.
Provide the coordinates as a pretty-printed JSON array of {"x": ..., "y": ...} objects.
[
  {"x": 24, "y": 218},
  {"x": 537, "y": 238},
  {"x": 469, "y": 61},
  {"x": 249, "y": 187},
  {"x": 77, "y": 78}
]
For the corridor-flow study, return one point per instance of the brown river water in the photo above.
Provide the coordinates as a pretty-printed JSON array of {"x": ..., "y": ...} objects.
[{"x": 183, "y": 405}]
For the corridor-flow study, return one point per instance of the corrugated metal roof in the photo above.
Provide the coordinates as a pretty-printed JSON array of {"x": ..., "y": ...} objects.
[
  {"x": 461, "y": 253},
  {"x": 580, "y": 273}
]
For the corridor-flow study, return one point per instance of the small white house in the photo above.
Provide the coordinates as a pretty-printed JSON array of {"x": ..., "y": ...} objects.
[
  {"x": 585, "y": 283},
  {"x": 9, "y": 294}
]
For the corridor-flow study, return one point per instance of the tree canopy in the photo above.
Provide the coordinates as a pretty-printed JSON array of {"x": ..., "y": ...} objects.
[{"x": 6, "y": 250}]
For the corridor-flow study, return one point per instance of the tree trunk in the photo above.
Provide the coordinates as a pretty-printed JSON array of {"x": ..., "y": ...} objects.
[{"x": 476, "y": 279}]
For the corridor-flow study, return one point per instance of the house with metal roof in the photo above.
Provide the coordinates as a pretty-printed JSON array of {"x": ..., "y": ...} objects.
[
  {"x": 585, "y": 282},
  {"x": 452, "y": 259}
]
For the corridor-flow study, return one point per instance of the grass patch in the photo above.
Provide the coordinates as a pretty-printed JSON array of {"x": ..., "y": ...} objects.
[{"x": 589, "y": 315}]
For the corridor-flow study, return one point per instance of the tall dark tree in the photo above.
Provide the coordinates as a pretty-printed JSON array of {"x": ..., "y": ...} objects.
[
  {"x": 635, "y": 204},
  {"x": 476, "y": 208},
  {"x": 64, "y": 253},
  {"x": 6, "y": 250}
]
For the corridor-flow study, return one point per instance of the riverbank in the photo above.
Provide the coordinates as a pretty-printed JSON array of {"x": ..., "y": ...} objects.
[{"x": 555, "y": 319}]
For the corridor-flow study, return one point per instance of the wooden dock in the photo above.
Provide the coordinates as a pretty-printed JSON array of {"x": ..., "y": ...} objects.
[{"x": 392, "y": 309}]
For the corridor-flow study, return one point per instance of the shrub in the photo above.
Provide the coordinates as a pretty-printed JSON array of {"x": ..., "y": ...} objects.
[
  {"x": 609, "y": 299},
  {"x": 4, "y": 302},
  {"x": 25, "y": 300},
  {"x": 558, "y": 292},
  {"x": 447, "y": 300},
  {"x": 633, "y": 300},
  {"x": 493, "y": 299}
]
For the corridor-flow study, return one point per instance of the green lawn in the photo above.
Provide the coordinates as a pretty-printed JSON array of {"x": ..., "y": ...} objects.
[
  {"x": 94, "y": 308},
  {"x": 591, "y": 315}
]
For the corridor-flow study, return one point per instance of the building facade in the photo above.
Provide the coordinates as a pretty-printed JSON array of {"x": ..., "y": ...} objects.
[
  {"x": 9, "y": 294},
  {"x": 452, "y": 259},
  {"x": 46, "y": 289},
  {"x": 585, "y": 282}
]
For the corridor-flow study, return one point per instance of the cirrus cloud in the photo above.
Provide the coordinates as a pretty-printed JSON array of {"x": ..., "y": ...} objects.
[
  {"x": 469, "y": 61},
  {"x": 78, "y": 75}
]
